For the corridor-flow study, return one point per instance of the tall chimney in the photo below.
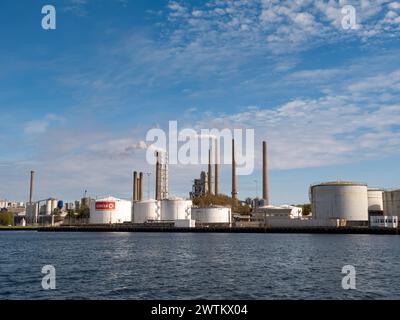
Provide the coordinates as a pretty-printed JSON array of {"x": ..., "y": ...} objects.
[
  {"x": 216, "y": 168},
  {"x": 140, "y": 198},
  {"x": 158, "y": 177},
  {"x": 210, "y": 191},
  {"x": 31, "y": 186},
  {"x": 134, "y": 196},
  {"x": 265, "y": 174},
  {"x": 234, "y": 177}
]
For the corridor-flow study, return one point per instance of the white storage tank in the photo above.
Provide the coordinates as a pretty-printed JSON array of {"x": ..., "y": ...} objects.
[
  {"x": 212, "y": 215},
  {"x": 54, "y": 203},
  {"x": 391, "y": 203},
  {"x": 375, "y": 199},
  {"x": 175, "y": 209},
  {"x": 110, "y": 210},
  {"x": 340, "y": 200},
  {"x": 48, "y": 207},
  {"x": 146, "y": 210}
]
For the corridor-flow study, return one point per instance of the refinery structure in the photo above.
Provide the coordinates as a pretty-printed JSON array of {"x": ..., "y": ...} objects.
[{"x": 335, "y": 204}]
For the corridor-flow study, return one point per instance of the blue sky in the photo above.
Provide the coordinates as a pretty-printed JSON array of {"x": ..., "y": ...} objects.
[{"x": 76, "y": 99}]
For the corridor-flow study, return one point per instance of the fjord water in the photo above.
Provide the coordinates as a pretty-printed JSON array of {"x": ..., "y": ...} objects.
[{"x": 198, "y": 266}]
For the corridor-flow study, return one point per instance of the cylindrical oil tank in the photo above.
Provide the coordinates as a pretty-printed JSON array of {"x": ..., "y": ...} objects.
[
  {"x": 145, "y": 210},
  {"x": 340, "y": 200},
  {"x": 175, "y": 209},
  {"x": 60, "y": 204},
  {"x": 54, "y": 203},
  {"x": 49, "y": 210},
  {"x": 391, "y": 203},
  {"x": 212, "y": 215},
  {"x": 110, "y": 210},
  {"x": 375, "y": 199}
]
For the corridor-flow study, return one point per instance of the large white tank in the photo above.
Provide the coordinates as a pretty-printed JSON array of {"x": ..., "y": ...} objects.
[
  {"x": 146, "y": 210},
  {"x": 48, "y": 207},
  {"x": 212, "y": 215},
  {"x": 53, "y": 204},
  {"x": 391, "y": 203},
  {"x": 340, "y": 200},
  {"x": 375, "y": 199},
  {"x": 110, "y": 210},
  {"x": 176, "y": 209}
]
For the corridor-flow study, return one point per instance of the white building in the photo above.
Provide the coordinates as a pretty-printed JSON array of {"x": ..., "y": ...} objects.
[
  {"x": 5, "y": 204},
  {"x": 383, "y": 221},
  {"x": 285, "y": 211}
]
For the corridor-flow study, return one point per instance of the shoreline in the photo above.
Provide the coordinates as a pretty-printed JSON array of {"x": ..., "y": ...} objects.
[{"x": 119, "y": 228}]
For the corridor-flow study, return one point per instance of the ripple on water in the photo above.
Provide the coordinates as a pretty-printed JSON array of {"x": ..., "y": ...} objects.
[{"x": 198, "y": 266}]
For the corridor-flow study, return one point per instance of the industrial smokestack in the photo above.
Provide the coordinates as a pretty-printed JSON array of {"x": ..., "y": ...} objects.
[
  {"x": 158, "y": 177},
  {"x": 137, "y": 188},
  {"x": 140, "y": 186},
  {"x": 209, "y": 173},
  {"x": 265, "y": 175},
  {"x": 234, "y": 177},
  {"x": 134, "y": 195},
  {"x": 216, "y": 168},
  {"x": 31, "y": 186}
]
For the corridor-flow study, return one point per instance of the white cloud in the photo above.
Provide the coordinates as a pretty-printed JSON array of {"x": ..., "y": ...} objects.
[
  {"x": 281, "y": 26},
  {"x": 40, "y": 126},
  {"x": 382, "y": 82},
  {"x": 394, "y": 5}
]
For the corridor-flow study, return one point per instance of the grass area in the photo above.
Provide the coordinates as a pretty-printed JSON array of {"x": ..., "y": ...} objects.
[{"x": 18, "y": 228}]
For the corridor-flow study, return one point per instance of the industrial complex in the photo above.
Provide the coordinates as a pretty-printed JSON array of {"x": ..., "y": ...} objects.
[{"x": 335, "y": 204}]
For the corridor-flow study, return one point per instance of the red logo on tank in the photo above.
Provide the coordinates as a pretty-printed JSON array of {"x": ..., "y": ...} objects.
[{"x": 105, "y": 205}]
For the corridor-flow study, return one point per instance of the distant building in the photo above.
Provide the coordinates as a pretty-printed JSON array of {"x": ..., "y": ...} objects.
[
  {"x": 85, "y": 202},
  {"x": 383, "y": 221},
  {"x": 5, "y": 204},
  {"x": 391, "y": 203},
  {"x": 70, "y": 206},
  {"x": 77, "y": 205},
  {"x": 288, "y": 212},
  {"x": 200, "y": 186}
]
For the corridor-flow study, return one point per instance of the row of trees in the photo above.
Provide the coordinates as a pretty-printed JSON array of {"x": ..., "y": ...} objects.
[
  {"x": 221, "y": 200},
  {"x": 224, "y": 200}
]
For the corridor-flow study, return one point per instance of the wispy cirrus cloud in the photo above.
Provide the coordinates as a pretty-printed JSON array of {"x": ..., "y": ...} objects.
[{"x": 40, "y": 126}]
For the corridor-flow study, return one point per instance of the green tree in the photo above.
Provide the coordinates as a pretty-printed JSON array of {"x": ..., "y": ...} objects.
[
  {"x": 6, "y": 218},
  {"x": 306, "y": 208},
  {"x": 83, "y": 213},
  {"x": 221, "y": 200}
]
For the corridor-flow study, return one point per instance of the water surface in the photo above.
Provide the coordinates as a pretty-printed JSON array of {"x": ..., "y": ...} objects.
[{"x": 198, "y": 265}]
